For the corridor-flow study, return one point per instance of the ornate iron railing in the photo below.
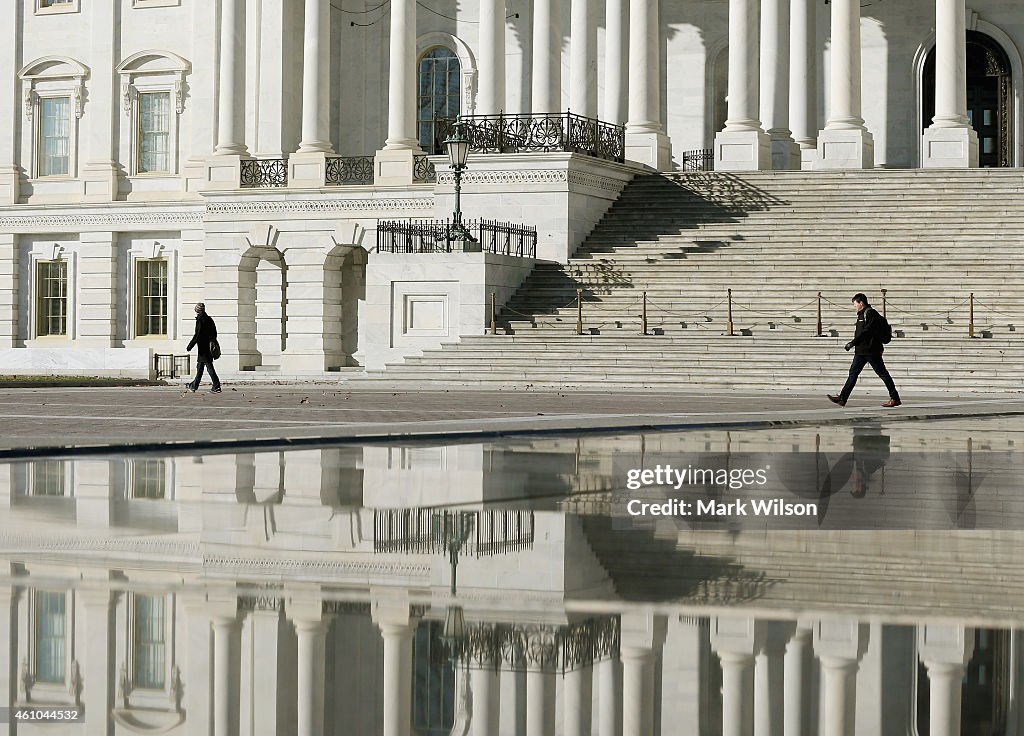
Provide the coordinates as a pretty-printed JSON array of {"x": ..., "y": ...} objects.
[
  {"x": 172, "y": 366},
  {"x": 701, "y": 159},
  {"x": 261, "y": 173},
  {"x": 349, "y": 170},
  {"x": 438, "y": 236},
  {"x": 534, "y": 133},
  {"x": 423, "y": 171},
  {"x": 433, "y": 531}
]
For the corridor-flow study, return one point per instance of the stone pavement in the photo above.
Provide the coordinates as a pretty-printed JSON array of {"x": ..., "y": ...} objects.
[{"x": 77, "y": 420}]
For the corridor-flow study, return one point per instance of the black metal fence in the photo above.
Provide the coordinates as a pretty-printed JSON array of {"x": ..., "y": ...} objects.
[
  {"x": 172, "y": 366},
  {"x": 423, "y": 171},
  {"x": 433, "y": 531},
  {"x": 439, "y": 236},
  {"x": 261, "y": 173},
  {"x": 701, "y": 159},
  {"x": 349, "y": 170},
  {"x": 533, "y": 133}
]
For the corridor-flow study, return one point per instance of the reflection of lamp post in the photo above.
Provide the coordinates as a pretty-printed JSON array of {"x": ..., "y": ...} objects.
[{"x": 458, "y": 152}]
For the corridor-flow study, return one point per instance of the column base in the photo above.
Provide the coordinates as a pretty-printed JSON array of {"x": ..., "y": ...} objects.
[
  {"x": 10, "y": 183},
  {"x": 650, "y": 148},
  {"x": 223, "y": 173},
  {"x": 845, "y": 149},
  {"x": 307, "y": 170},
  {"x": 743, "y": 150},
  {"x": 394, "y": 167},
  {"x": 785, "y": 154},
  {"x": 100, "y": 181},
  {"x": 808, "y": 157},
  {"x": 949, "y": 148}
]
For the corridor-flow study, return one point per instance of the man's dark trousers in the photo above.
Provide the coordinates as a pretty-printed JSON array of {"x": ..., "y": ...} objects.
[
  {"x": 878, "y": 365},
  {"x": 194, "y": 385}
]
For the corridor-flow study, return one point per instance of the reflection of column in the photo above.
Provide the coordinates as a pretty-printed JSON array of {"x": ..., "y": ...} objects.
[
  {"x": 845, "y": 143},
  {"x": 839, "y": 645},
  {"x": 98, "y": 674},
  {"x": 736, "y": 640},
  {"x": 391, "y": 614},
  {"x": 803, "y": 73},
  {"x": 484, "y": 684},
  {"x": 581, "y": 94},
  {"x": 490, "y": 98},
  {"x": 609, "y": 697},
  {"x": 742, "y": 145},
  {"x": 197, "y": 698},
  {"x": 642, "y": 637},
  {"x": 579, "y": 704},
  {"x": 540, "y": 705},
  {"x": 945, "y": 651},
  {"x": 775, "y": 83},
  {"x": 547, "y": 57},
  {"x": 225, "y": 653},
  {"x": 796, "y": 723},
  {"x": 310, "y": 630},
  {"x": 613, "y": 109},
  {"x": 950, "y": 141},
  {"x": 8, "y": 645},
  {"x": 769, "y": 681},
  {"x": 646, "y": 141}
]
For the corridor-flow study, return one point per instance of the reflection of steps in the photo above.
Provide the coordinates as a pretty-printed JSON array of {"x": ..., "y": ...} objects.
[{"x": 776, "y": 239}]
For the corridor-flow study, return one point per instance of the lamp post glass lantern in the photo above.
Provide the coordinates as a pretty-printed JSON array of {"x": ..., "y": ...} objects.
[{"x": 458, "y": 153}]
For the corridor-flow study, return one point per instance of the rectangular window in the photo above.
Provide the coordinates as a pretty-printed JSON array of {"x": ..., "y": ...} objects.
[
  {"x": 151, "y": 301},
  {"x": 55, "y": 136},
  {"x": 48, "y": 478},
  {"x": 54, "y": 3},
  {"x": 154, "y": 133},
  {"x": 149, "y": 641},
  {"x": 52, "y": 304},
  {"x": 149, "y": 479},
  {"x": 50, "y": 632}
]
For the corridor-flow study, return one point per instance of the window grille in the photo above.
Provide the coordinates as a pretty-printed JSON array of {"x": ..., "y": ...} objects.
[
  {"x": 48, "y": 478},
  {"x": 55, "y": 136},
  {"x": 154, "y": 133},
  {"x": 52, "y": 289},
  {"x": 151, "y": 300},
  {"x": 149, "y": 479},
  {"x": 50, "y": 635},
  {"x": 437, "y": 92}
]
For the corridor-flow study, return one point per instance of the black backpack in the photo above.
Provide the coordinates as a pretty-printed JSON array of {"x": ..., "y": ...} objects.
[{"x": 884, "y": 329}]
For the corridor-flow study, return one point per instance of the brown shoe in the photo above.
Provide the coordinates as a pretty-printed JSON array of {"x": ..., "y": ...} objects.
[
  {"x": 836, "y": 400},
  {"x": 891, "y": 403}
]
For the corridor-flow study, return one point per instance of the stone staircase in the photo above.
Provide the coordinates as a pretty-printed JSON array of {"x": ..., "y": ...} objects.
[{"x": 674, "y": 245}]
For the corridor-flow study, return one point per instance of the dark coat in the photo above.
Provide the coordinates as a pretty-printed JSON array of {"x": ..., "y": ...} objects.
[
  {"x": 867, "y": 339},
  {"x": 206, "y": 331}
]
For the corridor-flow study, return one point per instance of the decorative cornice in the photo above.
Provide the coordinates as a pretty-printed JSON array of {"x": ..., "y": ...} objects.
[
  {"x": 17, "y": 543},
  {"x": 249, "y": 565},
  {"x": 71, "y": 220},
  {"x": 536, "y": 176},
  {"x": 327, "y": 205}
]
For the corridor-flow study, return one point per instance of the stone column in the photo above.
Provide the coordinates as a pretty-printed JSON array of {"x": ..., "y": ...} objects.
[
  {"x": 98, "y": 671},
  {"x": 230, "y": 136},
  {"x": 225, "y": 666},
  {"x": 582, "y": 94},
  {"x": 10, "y": 109},
  {"x": 803, "y": 78},
  {"x": 485, "y": 685},
  {"x": 490, "y": 98},
  {"x": 845, "y": 143},
  {"x": 394, "y": 163},
  {"x": 97, "y": 279},
  {"x": 99, "y": 174},
  {"x": 308, "y": 166},
  {"x": 775, "y": 56},
  {"x": 795, "y": 707},
  {"x": 613, "y": 109},
  {"x": 945, "y": 651},
  {"x": 950, "y": 141},
  {"x": 742, "y": 145},
  {"x": 540, "y": 704},
  {"x": 578, "y": 697},
  {"x": 306, "y": 615},
  {"x": 9, "y": 290},
  {"x": 646, "y": 142},
  {"x": 547, "y": 57},
  {"x": 736, "y": 641},
  {"x": 609, "y": 698},
  {"x": 769, "y": 680},
  {"x": 390, "y": 612},
  {"x": 839, "y": 645},
  {"x": 642, "y": 637}
]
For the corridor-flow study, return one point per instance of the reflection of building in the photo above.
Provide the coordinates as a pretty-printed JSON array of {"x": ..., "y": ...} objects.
[{"x": 260, "y": 594}]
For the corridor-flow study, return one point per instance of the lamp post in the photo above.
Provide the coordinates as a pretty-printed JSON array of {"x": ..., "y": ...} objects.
[{"x": 458, "y": 152}]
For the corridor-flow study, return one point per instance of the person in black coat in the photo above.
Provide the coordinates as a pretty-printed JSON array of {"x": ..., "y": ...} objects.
[
  {"x": 867, "y": 339},
  {"x": 206, "y": 332}
]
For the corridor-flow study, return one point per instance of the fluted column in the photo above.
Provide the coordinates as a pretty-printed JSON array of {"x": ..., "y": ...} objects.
[
  {"x": 540, "y": 706},
  {"x": 225, "y": 652},
  {"x": 794, "y": 708},
  {"x": 578, "y": 691},
  {"x": 394, "y": 163},
  {"x": 582, "y": 94},
  {"x": 98, "y": 672},
  {"x": 490, "y": 98},
  {"x": 839, "y": 644},
  {"x": 547, "y": 63},
  {"x": 803, "y": 76},
  {"x": 609, "y": 698},
  {"x": 945, "y": 651},
  {"x": 316, "y": 67},
  {"x": 230, "y": 139},
  {"x": 951, "y": 141},
  {"x": 785, "y": 155},
  {"x": 742, "y": 145},
  {"x": 845, "y": 143},
  {"x": 310, "y": 632},
  {"x": 613, "y": 109},
  {"x": 646, "y": 142}
]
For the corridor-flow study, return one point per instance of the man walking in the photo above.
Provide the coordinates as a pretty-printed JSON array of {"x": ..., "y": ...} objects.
[
  {"x": 206, "y": 333},
  {"x": 868, "y": 339}
]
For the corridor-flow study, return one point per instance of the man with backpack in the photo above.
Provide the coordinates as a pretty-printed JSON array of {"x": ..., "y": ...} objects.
[{"x": 872, "y": 333}]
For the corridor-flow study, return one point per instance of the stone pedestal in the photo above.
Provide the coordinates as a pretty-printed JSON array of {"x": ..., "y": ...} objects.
[
  {"x": 307, "y": 170},
  {"x": 224, "y": 172},
  {"x": 845, "y": 149},
  {"x": 785, "y": 152},
  {"x": 393, "y": 167},
  {"x": 650, "y": 148},
  {"x": 742, "y": 150},
  {"x": 950, "y": 148}
]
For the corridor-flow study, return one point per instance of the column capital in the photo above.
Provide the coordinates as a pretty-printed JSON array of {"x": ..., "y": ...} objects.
[
  {"x": 737, "y": 636},
  {"x": 940, "y": 644},
  {"x": 390, "y": 609},
  {"x": 840, "y": 639}
]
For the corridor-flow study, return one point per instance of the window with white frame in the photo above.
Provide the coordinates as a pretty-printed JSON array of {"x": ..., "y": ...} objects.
[
  {"x": 53, "y": 90},
  {"x": 52, "y": 298},
  {"x": 149, "y": 642},
  {"x": 151, "y": 297},
  {"x": 153, "y": 96},
  {"x": 155, "y": 3},
  {"x": 148, "y": 479},
  {"x": 54, "y": 149},
  {"x": 56, "y": 6},
  {"x": 49, "y": 640},
  {"x": 48, "y": 478}
]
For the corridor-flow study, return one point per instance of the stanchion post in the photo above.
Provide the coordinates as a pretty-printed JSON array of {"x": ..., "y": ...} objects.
[
  {"x": 729, "y": 297},
  {"x": 970, "y": 324},
  {"x": 883, "y": 301},
  {"x": 644, "y": 315},
  {"x": 494, "y": 326},
  {"x": 818, "y": 333},
  {"x": 579, "y": 311}
]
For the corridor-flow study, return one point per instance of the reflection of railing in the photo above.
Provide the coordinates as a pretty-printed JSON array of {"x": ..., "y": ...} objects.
[
  {"x": 423, "y": 171},
  {"x": 535, "y": 133},
  {"x": 349, "y": 170},
  {"x": 172, "y": 366},
  {"x": 702, "y": 159},
  {"x": 434, "y": 531},
  {"x": 438, "y": 236},
  {"x": 260, "y": 173}
]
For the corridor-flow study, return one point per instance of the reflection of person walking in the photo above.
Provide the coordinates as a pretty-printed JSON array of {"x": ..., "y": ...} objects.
[
  {"x": 206, "y": 333},
  {"x": 869, "y": 339}
]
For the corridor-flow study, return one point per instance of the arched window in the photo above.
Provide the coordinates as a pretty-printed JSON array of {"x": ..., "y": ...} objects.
[{"x": 437, "y": 93}]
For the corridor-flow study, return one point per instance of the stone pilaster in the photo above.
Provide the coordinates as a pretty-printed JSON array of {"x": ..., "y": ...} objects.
[
  {"x": 9, "y": 290},
  {"x": 99, "y": 175},
  {"x": 10, "y": 109},
  {"x": 98, "y": 676},
  {"x": 97, "y": 279}
]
